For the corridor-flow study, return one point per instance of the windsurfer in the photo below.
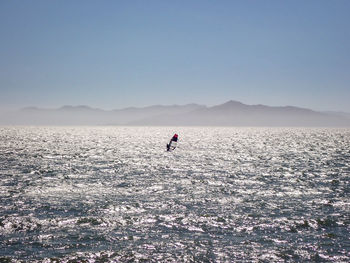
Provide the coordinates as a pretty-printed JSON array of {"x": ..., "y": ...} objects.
[{"x": 173, "y": 139}]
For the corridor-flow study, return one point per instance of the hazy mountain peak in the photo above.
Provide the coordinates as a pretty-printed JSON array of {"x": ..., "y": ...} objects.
[
  {"x": 231, "y": 104},
  {"x": 78, "y": 108},
  {"x": 31, "y": 108}
]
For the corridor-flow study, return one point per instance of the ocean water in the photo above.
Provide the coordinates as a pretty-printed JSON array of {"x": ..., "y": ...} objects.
[{"x": 113, "y": 194}]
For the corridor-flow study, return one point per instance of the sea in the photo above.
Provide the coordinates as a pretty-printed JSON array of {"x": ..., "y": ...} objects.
[{"x": 225, "y": 194}]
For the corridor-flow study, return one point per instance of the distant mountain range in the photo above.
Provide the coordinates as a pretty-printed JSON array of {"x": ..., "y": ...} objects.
[{"x": 231, "y": 113}]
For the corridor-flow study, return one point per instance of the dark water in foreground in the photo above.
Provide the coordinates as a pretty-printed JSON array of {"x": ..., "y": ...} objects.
[{"x": 112, "y": 194}]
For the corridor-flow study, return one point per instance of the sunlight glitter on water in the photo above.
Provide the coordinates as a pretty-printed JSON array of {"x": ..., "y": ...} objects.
[{"x": 99, "y": 194}]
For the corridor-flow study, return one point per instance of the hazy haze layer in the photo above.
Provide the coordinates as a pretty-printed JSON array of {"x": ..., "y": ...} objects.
[{"x": 231, "y": 113}]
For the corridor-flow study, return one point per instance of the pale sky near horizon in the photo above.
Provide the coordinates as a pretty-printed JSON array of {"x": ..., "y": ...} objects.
[{"x": 115, "y": 54}]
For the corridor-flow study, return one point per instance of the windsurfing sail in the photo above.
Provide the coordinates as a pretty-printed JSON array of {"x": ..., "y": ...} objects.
[{"x": 173, "y": 143}]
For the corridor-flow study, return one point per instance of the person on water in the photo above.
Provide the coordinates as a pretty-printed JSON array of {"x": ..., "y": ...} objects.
[{"x": 174, "y": 139}]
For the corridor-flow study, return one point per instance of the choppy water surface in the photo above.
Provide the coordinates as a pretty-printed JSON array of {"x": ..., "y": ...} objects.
[{"x": 100, "y": 194}]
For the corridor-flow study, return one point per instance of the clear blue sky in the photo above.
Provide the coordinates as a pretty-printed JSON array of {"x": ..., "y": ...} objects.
[{"x": 114, "y": 54}]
